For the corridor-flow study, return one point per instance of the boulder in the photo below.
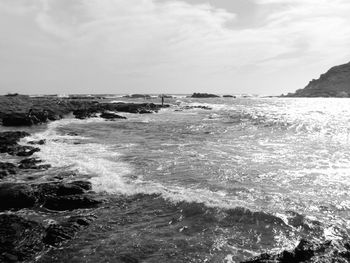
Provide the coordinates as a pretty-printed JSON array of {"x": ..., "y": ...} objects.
[
  {"x": 20, "y": 239},
  {"x": 16, "y": 196}
]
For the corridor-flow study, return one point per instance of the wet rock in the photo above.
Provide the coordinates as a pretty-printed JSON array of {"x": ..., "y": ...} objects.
[
  {"x": 70, "y": 202},
  {"x": 7, "y": 169},
  {"x": 39, "y": 142},
  {"x": 16, "y": 196},
  {"x": 11, "y": 137},
  {"x": 16, "y": 119},
  {"x": 8, "y": 144},
  {"x": 25, "y": 119},
  {"x": 229, "y": 96},
  {"x": 58, "y": 233},
  {"x": 85, "y": 113},
  {"x": 82, "y": 184},
  {"x": 111, "y": 116},
  {"x": 23, "y": 151},
  {"x": 309, "y": 251},
  {"x": 62, "y": 189},
  {"x": 32, "y": 163},
  {"x": 20, "y": 239}
]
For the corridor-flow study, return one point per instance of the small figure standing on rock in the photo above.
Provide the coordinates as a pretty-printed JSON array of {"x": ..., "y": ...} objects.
[
  {"x": 32, "y": 118},
  {"x": 162, "y": 99}
]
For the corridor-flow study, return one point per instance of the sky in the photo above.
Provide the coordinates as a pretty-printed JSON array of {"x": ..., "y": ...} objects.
[{"x": 266, "y": 47}]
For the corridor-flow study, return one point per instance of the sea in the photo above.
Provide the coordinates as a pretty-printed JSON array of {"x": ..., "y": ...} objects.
[{"x": 190, "y": 184}]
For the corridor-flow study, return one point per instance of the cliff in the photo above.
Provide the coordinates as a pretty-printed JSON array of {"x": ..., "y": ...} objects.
[{"x": 334, "y": 83}]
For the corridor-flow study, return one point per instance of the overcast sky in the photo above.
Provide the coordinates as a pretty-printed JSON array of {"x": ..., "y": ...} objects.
[{"x": 169, "y": 46}]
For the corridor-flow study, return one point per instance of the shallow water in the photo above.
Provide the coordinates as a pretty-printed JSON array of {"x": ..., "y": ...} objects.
[{"x": 220, "y": 185}]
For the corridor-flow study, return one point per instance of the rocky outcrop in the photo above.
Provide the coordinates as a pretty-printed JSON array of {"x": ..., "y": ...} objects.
[
  {"x": 229, "y": 96},
  {"x": 57, "y": 233},
  {"x": 16, "y": 196},
  {"x": 111, "y": 116},
  {"x": 8, "y": 144},
  {"x": 20, "y": 239},
  {"x": 23, "y": 240},
  {"x": 204, "y": 95},
  {"x": 334, "y": 83},
  {"x": 53, "y": 196},
  {"x": 138, "y": 96},
  {"x": 308, "y": 251},
  {"x": 33, "y": 163}
]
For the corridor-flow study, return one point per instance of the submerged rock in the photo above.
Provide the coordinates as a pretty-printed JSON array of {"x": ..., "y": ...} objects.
[
  {"x": 59, "y": 232},
  {"x": 20, "y": 239}
]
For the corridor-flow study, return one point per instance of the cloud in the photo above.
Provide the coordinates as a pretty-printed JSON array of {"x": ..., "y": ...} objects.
[{"x": 172, "y": 43}]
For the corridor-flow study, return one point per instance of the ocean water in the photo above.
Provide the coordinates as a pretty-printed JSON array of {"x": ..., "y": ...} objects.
[{"x": 193, "y": 185}]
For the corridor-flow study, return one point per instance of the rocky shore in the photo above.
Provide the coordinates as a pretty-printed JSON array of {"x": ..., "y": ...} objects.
[
  {"x": 40, "y": 216},
  {"x": 24, "y": 238}
]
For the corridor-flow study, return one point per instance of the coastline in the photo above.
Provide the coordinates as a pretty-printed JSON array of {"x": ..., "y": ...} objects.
[{"x": 81, "y": 207}]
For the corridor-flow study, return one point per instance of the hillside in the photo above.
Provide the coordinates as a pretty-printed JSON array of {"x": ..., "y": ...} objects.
[{"x": 334, "y": 83}]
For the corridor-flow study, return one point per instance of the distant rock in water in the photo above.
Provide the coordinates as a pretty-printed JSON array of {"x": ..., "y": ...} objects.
[
  {"x": 204, "y": 95},
  {"x": 138, "y": 96},
  {"x": 334, "y": 83},
  {"x": 229, "y": 96}
]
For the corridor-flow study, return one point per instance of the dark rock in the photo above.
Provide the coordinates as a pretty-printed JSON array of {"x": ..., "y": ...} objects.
[
  {"x": 7, "y": 169},
  {"x": 309, "y": 251},
  {"x": 23, "y": 151},
  {"x": 20, "y": 239},
  {"x": 138, "y": 96},
  {"x": 11, "y": 137},
  {"x": 39, "y": 142},
  {"x": 82, "y": 184},
  {"x": 85, "y": 113},
  {"x": 334, "y": 83},
  {"x": 32, "y": 163},
  {"x": 8, "y": 144},
  {"x": 204, "y": 95},
  {"x": 16, "y": 196},
  {"x": 111, "y": 116},
  {"x": 229, "y": 96},
  {"x": 58, "y": 233},
  {"x": 16, "y": 119},
  {"x": 70, "y": 202},
  {"x": 196, "y": 107},
  {"x": 25, "y": 119}
]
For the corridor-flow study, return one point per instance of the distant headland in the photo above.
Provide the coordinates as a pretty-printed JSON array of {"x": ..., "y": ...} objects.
[{"x": 334, "y": 83}]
